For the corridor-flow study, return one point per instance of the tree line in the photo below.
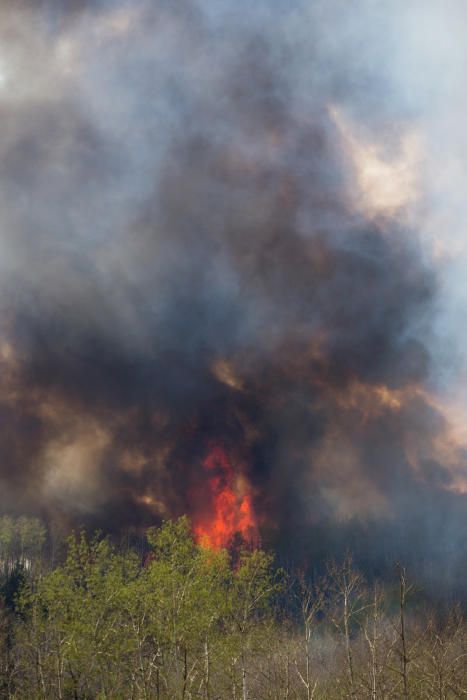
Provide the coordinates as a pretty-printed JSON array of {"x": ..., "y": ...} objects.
[{"x": 182, "y": 622}]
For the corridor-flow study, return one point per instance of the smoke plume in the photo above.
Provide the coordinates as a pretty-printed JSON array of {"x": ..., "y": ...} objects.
[{"x": 237, "y": 229}]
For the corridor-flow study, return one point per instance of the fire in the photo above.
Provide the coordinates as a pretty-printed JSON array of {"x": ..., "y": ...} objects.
[{"x": 230, "y": 509}]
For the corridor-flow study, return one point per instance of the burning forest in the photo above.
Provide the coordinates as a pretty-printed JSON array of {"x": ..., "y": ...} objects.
[{"x": 233, "y": 274}]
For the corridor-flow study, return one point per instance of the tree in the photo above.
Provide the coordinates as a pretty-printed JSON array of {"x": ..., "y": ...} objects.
[
  {"x": 312, "y": 600},
  {"x": 72, "y": 637},
  {"x": 253, "y": 585},
  {"x": 347, "y": 603}
]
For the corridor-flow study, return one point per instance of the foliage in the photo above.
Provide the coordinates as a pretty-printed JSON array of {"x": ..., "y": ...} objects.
[{"x": 187, "y": 623}]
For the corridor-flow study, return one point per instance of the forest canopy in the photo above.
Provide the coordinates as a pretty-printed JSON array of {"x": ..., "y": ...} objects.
[{"x": 172, "y": 619}]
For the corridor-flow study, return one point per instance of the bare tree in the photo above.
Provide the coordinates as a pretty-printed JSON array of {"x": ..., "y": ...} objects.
[
  {"x": 380, "y": 642},
  {"x": 346, "y": 586},
  {"x": 444, "y": 659},
  {"x": 312, "y": 602},
  {"x": 404, "y": 591}
]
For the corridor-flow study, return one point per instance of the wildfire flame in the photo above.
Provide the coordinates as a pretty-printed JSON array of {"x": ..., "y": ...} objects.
[{"x": 230, "y": 510}]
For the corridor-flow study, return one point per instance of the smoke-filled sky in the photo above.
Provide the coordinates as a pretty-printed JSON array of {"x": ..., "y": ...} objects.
[{"x": 239, "y": 225}]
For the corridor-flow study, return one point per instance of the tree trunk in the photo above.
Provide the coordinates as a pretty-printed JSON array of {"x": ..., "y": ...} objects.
[
  {"x": 348, "y": 649},
  {"x": 374, "y": 670},
  {"x": 404, "y": 659},
  {"x": 244, "y": 683},
  {"x": 207, "y": 671},
  {"x": 185, "y": 673}
]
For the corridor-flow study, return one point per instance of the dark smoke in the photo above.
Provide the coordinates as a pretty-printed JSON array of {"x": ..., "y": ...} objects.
[{"x": 182, "y": 262}]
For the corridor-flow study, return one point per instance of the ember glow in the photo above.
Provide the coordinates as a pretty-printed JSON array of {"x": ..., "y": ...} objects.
[{"x": 227, "y": 506}]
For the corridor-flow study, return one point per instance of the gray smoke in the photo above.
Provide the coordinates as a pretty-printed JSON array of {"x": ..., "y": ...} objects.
[{"x": 242, "y": 223}]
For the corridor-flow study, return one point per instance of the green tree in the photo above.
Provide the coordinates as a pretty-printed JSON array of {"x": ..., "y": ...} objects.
[
  {"x": 253, "y": 586},
  {"x": 73, "y": 639}
]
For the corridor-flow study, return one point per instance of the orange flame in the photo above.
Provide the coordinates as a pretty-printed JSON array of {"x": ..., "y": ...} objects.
[{"x": 230, "y": 510}]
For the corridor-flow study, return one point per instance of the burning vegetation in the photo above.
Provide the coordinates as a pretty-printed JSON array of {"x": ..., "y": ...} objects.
[
  {"x": 232, "y": 316},
  {"x": 226, "y": 510}
]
